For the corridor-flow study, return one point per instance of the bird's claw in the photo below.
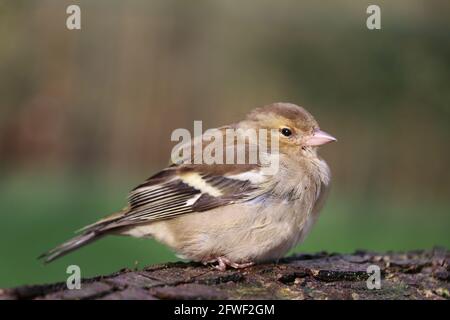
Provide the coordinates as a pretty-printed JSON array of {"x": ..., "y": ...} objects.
[{"x": 223, "y": 262}]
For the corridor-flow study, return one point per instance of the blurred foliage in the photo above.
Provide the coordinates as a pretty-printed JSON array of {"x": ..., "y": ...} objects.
[{"x": 87, "y": 115}]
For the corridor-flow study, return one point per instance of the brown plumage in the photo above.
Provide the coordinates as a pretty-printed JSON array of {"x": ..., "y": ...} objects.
[{"x": 232, "y": 214}]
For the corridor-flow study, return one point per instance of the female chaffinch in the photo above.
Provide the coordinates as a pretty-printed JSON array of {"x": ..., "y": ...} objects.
[{"x": 230, "y": 214}]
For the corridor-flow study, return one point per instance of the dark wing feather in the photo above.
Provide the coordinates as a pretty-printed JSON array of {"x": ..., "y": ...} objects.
[{"x": 168, "y": 194}]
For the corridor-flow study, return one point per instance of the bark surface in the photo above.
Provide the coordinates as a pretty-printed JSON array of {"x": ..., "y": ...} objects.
[{"x": 404, "y": 275}]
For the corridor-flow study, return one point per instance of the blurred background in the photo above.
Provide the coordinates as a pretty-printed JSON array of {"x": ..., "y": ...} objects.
[{"x": 87, "y": 115}]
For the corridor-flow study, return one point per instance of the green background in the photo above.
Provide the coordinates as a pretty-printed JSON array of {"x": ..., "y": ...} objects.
[{"x": 85, "y": 116}]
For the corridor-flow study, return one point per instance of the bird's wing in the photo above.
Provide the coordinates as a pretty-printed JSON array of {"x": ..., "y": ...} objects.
[{"x": 183, "y": 189}]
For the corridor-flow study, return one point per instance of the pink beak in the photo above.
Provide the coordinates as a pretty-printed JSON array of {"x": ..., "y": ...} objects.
[{"x": 319, "y": 138}]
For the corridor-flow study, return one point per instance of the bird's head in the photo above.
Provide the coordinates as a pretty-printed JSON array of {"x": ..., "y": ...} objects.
[{"x": 298, "y": 130}]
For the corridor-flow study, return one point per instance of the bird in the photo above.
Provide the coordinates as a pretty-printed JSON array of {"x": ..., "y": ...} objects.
[{"x": 229, "y": 215}]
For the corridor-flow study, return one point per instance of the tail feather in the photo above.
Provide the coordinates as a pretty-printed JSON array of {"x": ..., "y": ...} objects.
[
  {"x": 71, "y": 245},
  {"x": 88, "y": 234}
]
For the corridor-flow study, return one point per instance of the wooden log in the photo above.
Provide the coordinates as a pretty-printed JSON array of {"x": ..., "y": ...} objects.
[{"x": 404, "y": 275}]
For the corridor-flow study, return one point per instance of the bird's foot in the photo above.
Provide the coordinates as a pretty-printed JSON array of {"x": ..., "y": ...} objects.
[{"x": 223, "y": 263}]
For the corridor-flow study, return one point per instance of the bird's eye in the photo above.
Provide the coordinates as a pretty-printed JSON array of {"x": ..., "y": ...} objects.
[{"x": 286, "y": 132}]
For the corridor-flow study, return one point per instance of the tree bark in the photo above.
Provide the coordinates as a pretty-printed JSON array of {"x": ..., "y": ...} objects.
[{"x": 404, "y": 275}]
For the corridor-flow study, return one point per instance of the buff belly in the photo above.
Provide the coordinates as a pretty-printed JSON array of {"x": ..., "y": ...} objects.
[{"x": 240, "y": 232}]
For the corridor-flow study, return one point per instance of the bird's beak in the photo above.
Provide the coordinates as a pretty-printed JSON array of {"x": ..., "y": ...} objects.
[{"x": 319, "y": 138}]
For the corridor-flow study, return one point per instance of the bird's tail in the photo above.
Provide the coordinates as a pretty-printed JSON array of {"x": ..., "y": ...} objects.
[
  {"x": 71, "y": 245},
  {"x": 88, "y": 234}
]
